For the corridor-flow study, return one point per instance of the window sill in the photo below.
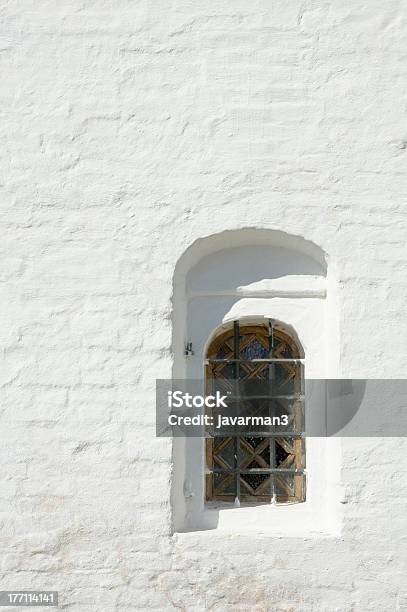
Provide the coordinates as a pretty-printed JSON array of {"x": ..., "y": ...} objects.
[{"x": 283, "y": 521}]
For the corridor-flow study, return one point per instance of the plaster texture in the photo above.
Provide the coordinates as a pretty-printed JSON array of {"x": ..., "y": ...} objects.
[{"x": 130, "y": 130}]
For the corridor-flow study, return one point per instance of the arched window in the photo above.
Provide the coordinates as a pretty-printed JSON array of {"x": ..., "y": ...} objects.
[{"x": 260, "y": 367}]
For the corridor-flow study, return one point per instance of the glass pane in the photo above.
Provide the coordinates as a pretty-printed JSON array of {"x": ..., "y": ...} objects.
[
  {"x": 223, "y": 377},
  {"x": 284, "y": 346},
  {"x": 256, "y": 371},
  {"x": 224, "y": 484},
  {"x": 254, "y": 453},
  {"x": 254, "y": 350},
  {"x": 224, "y": 455},
  {"x": 224, "y": 352},
  {"x": 283, "y": 459},
  {"x": 254, "y": 407},
  {"x": 289, "y": 453},
  {"x": 255, "y": 485},
  {"x": 269, "y": 415},
  {"x": 286, "y": 378},
  {"x": 291, "y": 411},
  {"x": 289, "y": 487}
]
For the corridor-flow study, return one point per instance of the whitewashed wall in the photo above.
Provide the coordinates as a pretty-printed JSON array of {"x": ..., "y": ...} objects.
[{"x": 129, "y": 130}]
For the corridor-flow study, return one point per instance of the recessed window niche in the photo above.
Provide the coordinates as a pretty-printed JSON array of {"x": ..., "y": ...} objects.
[{"x": 254, "y": 276}]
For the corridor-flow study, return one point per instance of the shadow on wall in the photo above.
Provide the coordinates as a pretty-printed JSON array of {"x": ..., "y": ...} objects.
[{"x": 243, "y": 267}]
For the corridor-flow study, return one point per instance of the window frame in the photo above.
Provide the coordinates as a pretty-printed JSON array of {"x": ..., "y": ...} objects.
[{"x": 264, "y": 334}]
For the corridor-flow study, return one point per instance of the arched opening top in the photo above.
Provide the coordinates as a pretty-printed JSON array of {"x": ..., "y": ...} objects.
[
  {"x": 249, "y": 237},
  {"x": 251, "y": 262},
  {"x": 241, "y": 259},
  {"x": 255, "y": 341}
]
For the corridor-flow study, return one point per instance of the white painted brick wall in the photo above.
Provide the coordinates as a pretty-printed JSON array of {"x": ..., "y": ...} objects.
[{"x": 129, "y": 129}]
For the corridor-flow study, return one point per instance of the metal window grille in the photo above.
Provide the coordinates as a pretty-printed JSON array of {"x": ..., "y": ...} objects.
[{"x": 257, "y": 466}]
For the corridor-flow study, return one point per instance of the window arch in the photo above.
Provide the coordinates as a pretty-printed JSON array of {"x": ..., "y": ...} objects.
[{"x": 260, "y": 366}]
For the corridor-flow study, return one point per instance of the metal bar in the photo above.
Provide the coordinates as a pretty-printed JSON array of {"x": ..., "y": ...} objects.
[
  {"x": 272, "y": 448},
  {"x": 236, "y": 340},
  {"x": 277, "y": 360},
  {"x": 260, "y": 434},
  {"x": 246, "y": 397},
  {"x": 259, "y": 471},
  {"x": 236, "y": 355}
]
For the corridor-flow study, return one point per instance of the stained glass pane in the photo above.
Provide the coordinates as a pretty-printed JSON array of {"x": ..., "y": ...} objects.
[{"x": 254, "y": 350}]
